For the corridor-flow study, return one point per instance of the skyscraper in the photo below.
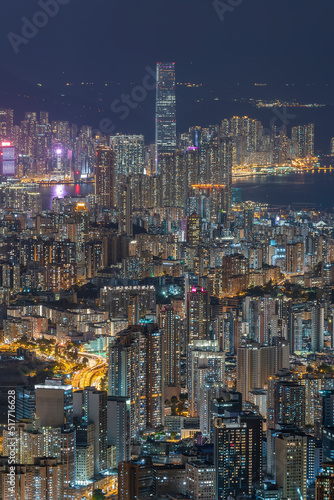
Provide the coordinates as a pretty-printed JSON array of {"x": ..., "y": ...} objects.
[
  {"x": 303, "y": 140},
  {"x": 206, "y": 364},
  {"x": 170, "y": 322},
  {"x": 198, "y": 314},
  {"x": 124, "y": 209},
  {"x": 54, "y": 404},
  {"x": 291, "y": 465},
  {"x": 165, "y": 130},
  {"x": 118, "y": 413},
  {"x": 237, "y": 456},
  {"x": 317, "y": 325},
  {"x": 193, "y": 230},
  {"x": 129, "y": 151},
  {"x": 91, "y": 405},
  {"x": 325, "y": 483},
  {"x": 104, "y": 170},
  {"x": 136, "y": 372},
  {"x": 6, "y": 124}
]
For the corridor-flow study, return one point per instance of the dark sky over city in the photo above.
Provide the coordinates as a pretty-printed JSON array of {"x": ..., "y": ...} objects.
[
  {"x": 274, "y": 41},
  {"x": 102, "y": 39}
]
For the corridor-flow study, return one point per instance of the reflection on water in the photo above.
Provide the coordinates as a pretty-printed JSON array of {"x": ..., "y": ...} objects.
[
  {"x": 309, "y": 188},
  {"x": 62, "y": 190}
]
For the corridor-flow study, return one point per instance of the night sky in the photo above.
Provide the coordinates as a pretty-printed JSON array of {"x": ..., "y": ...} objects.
[{"x": 272, "y": 41}]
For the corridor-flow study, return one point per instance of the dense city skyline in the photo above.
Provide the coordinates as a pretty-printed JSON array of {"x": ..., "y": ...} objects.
[{"x": 166, "y": 250}]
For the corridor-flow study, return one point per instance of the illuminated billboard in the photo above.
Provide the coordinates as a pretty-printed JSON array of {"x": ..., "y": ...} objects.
[{"x": 8, "y": 159}]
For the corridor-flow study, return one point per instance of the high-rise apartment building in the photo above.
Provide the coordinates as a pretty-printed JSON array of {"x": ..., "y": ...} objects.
[
  {"x": 129, "y": 154},
  {"x": 91, "y": 406},
  {"x": 170, "y": 323},
  {"x": 324, "y": 486},
  {"x": 135, "y": 480},
  {"x": 317, "y": 326},
  {"x": 237, "y": 456},
  {"x": 165, "y": 131},
  {"x": 6, "y": 124},
  {"x": 256, "y": 364},
  {"x": 105, "y": 176},
  {"x": 289, "y": 403},
  {"x": 118, "y": 414},
  {"x": 124, "y": 208},
  {"x": 303, "y": 140},
  {"x": 194, "y": 230},
  {"x": 291, "y": 465},
  {"x": 136, "y": 367},
  {"x": 206, "y": 365},
  {"x": 198, "y": 314},
  {"x": 42, "y": 480}
]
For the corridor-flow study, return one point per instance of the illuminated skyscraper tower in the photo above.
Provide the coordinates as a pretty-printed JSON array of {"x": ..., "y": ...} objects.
[{"x": 165, "y": 131}]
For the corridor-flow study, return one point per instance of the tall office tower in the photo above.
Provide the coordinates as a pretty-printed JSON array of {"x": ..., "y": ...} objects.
[
  {"x": 129, "y": 154},
  {"x": 206, "y": 365},
  {"x": 54, "y": 404},
  {"x": 25, "y": 402},
  {"x": 118, "y": 415},
  {"x": 136, "y": 366},
  {"x": 324, "y": 486},
  {"x": 7, "y": 125},
  {"x": 84, "y": 450},
  {"x": 289, "y": 400},
  {"x": 43, "y": 480},
  {"x": 194, "y": 230},
  {"x": 291, "y": 465},
  {"x": 317, "y": 326},
  {"x": 170, "y": 323},
  {"x": 105, "y": 176},
  {"x": 165, "y": 125},
  {"x": 135, "y": 480},
  {"x": 256, "y": 364},
  {"x": 124, "y": 209},
  {"x": 201, "y": 478},
  {"x": 198, "y": 314},
  {"x": 303, "y": 140},
  {"x": 91, "y": 405},
  {"x": 238, "y": 463}
]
